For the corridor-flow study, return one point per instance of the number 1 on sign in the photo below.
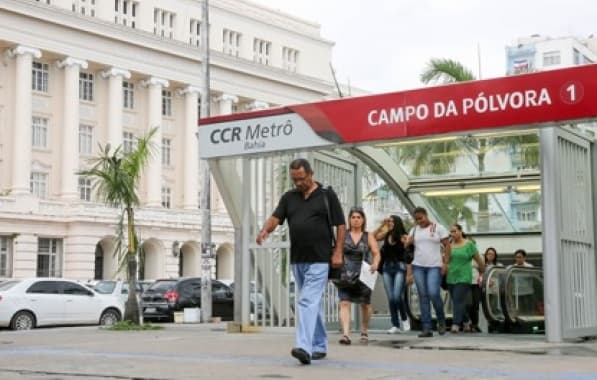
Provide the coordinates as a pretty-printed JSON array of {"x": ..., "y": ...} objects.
[{"x": 572, "y": 91}]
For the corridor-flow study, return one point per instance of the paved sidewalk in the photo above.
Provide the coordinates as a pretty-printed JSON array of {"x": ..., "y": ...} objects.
[{"x": 208, "y": 352}]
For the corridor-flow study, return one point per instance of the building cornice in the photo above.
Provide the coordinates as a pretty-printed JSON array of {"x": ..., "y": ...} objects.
[{"x": 146, "y": 40}]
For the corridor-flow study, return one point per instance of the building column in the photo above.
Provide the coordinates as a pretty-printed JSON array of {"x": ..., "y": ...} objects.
[
  {"x": 257, "y": 105},
  {"x": 115, "y": 104},
  {"x": 154, "y": 166},
  {"x": 226, "y": 101},
  {"x": 70, "y": 127},
  {"x": 21, "y": 164},
  {"x": 191, "y": 149}
]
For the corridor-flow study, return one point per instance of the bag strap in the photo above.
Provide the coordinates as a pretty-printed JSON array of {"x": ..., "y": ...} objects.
[{"x": 328, "y": 214}]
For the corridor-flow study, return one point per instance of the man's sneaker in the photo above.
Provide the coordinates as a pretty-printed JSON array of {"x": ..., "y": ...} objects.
[
  {"x": 394, "y": 330},
  {"x": 441, "y": 328},
  {"x": 425, "y": 334},
  {"x": 318, "y": 355},
  {"x": 405, "y": 325},
  {"x": 302, "y": 355}
]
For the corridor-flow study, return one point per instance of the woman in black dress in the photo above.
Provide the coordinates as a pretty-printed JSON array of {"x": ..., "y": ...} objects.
[{"x": 357, "y": 244}]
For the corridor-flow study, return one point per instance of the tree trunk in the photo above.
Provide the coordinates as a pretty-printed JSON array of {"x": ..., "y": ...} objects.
[
  {"x": 483, "y": 220},
  {"x": 131, "y": 312}
]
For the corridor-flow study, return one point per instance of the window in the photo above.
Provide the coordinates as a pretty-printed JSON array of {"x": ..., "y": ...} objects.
[
  {"x": 166, "y": 197},
  {"x": 86, "y": 86},
  {"x": 166, "y": 103},
  {"x": 195, "y": 32},
  {"x": 128, "y": 95},
  {"x": 39, "y": 136},
  {"x": 231, "y": 42},
  {"x": 38, "y": 184},
  {"x": 199, "y": 107},
  {"x": 5, "y": 256},
  {"x": 163, "y": 23},
  {"x": 85, "y": 189},
  {"x": 84, "y": 7},
  {"x": 49, "y": 254},
  {"x": 551, "y": 58},
  {"x": 261, "y": 51},
  {"x": 40, "y": 77},
  {"x": 85, "y": 139},
  {"x": 45, "y": 287},
  {"x": 74, "y": 289},
  {"x": 166, "y": 152},
  {"x": 128, "y": 142},
  {"x": 577, "y": 57},
  {"x": 125, "y": 12},
  {"x": 289, "y": 59}
]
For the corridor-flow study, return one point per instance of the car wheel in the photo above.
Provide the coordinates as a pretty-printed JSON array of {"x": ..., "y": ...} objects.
[
  {"x": 23, "y": 320},
  {"x": 109, "y": 317}
]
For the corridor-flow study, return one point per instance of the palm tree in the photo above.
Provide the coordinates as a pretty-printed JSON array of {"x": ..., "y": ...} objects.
[
  {"x": 116, "y": 176},
  {"x": 450, "y": 71}
]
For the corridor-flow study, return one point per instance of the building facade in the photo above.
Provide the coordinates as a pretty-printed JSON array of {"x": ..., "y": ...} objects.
[{"x": 76, "y": 74}]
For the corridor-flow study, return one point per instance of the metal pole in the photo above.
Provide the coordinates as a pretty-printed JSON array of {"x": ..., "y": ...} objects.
[{"x": 207, "y": 246}]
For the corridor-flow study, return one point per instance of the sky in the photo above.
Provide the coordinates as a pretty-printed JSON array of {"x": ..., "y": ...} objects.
[{"x": 383, "y": 45}]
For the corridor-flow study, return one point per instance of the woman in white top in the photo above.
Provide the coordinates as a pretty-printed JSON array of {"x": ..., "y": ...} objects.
[{"x": 428, "y": 267}]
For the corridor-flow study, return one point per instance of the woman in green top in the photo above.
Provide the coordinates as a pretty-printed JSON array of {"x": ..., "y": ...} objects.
[{"x": 460, "y": 273}]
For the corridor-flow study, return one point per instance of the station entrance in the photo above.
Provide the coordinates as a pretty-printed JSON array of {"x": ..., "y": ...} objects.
[{"x": 351, "y": 139}]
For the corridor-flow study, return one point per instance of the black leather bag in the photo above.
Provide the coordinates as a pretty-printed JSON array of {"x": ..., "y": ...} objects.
[
  {"x": 347, "y": 275},
  {"x": 409, "y": 250}
]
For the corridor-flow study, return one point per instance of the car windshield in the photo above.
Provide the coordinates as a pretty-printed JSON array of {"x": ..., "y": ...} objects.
[
  {"x": 105, "y": 287},
  {"x": 162, "y": 286},
  {"x": 7, "y": 285}
]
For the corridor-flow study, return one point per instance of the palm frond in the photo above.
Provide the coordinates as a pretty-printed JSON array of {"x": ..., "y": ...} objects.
[{"x": 443, "y": 70}]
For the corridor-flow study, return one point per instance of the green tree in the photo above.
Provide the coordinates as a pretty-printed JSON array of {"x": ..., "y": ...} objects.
[
  {"x": 116, "y": 175},
  {"x": 526, "y": 146}
]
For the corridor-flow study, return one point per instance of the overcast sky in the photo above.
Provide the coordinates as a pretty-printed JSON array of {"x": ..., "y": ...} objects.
[{"x": 382, "y": 45}]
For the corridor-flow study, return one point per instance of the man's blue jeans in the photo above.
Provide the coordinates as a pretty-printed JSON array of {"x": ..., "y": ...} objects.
[
  {"x": 393, "y": 280},
  {"x": 428, "y": 280},
  {"x": 311, "y": 280}
]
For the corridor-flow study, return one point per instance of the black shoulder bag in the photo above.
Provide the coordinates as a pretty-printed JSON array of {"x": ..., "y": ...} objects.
[
  {"x": 409, "y": 250},
  {"x": 334, "y": 273}
]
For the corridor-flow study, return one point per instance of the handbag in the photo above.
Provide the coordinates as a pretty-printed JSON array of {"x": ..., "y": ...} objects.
[
  {"x": 409, "y": 250},
  {"x": 348, "y": 274},
  {"x": 333, "y": 273}
]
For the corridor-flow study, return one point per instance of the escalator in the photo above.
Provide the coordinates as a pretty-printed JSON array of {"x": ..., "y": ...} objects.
[
  {"x": 414, "y": 311},
  {"x": 512, "y": 300}
]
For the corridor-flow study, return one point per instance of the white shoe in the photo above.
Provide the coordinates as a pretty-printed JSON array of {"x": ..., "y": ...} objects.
[
  {"x": 405, "y": 325},
  {"x": 394, "y": 330}
]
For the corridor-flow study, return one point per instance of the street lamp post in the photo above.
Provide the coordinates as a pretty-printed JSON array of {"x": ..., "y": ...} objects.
[{"x": 207, "y": 247}]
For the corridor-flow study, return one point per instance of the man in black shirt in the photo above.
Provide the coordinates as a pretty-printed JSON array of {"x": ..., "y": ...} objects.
[{"x": 310, "y": 247}]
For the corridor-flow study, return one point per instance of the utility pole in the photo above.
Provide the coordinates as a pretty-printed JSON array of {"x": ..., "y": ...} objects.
[{"x": 207, "y": 247}]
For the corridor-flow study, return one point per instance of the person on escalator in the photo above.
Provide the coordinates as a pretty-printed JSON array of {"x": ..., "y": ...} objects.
[{"x": 459, "y": 276}]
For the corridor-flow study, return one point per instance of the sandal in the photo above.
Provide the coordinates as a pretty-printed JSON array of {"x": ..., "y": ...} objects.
[
  {"x": 345, "y": 340},
  {"x": 364, "y": 338}
]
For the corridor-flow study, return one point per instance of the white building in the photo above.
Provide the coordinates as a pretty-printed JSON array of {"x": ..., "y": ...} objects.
[
  {"x": 537, "y": 53},
  {"x": 75, "y": 73}
]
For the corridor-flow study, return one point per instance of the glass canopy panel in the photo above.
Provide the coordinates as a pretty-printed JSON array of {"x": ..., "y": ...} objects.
[
  {"x": 473, "y": 155},
  {"x": 515, "y": 210}
]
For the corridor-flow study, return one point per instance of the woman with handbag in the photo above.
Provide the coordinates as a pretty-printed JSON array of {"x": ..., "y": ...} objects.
[
  {"x": 428, "y": 267},
  {"x": 357, "y": 244},
  {"x": 393, "y": 266}
]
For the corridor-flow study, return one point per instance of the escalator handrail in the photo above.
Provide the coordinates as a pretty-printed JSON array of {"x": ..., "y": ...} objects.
[
  {"x": 503, "y": 286},
  {"x": 484, "y": 288}
]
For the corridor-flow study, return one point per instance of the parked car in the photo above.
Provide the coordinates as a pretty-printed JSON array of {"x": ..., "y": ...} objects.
[
  {"x": 257, "y": 301},
  {"x": 164, "y": 297},
  {"x": 118, "y": 288},
  {"x": 29, "y": 303}
]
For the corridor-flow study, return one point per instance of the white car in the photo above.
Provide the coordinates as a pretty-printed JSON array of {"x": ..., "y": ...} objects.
[
  {"x": 118, "y": 288},
  {"x": 28, "y": 303}
]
